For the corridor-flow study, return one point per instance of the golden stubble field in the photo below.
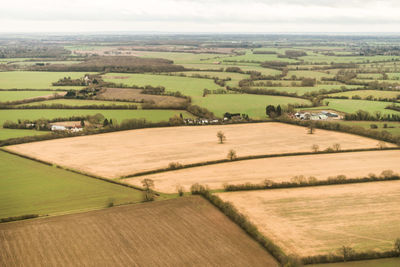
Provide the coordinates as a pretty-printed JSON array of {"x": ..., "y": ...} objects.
[
  {"x": 279, "y": 169},
  {"x": 123, "y": 153},
  {"x": 180, "y": 232},
  {"x": 320, "y": 220}
]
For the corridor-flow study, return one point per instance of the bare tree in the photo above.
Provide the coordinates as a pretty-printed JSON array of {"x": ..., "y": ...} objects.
[
  {"x": 232, "y": 155},
  {"x": 221, "y": 137},
  {"x": 336, "y": 147},
  {"x": 148, "y": 192}
]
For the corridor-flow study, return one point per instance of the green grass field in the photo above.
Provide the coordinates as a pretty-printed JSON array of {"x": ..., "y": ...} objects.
[
  {"x": 187, "y": 86},
  {"x": 304, "y": 90},
  {"x": 392, "y": 127},
  {"x": 115, "y": 115},
  {"x": 179, "y": 58},
  {"x": 15, "y": 133},
  {"x": 309, "y": 74},
  {"x": 253, "y": 105},
  {"x": 352, "y": 106},
  {"x": 77, "y": 102},
  {"x": 390, "y": 262},
  {"x": 36, "y": 79},
  {"x": 249, "y": 56},
  {"x": 366, "y": 93},
  {"x": 29, "y": 187},
  {"x": 20, "y": 95},
  {"x": 235, "y": 77}
]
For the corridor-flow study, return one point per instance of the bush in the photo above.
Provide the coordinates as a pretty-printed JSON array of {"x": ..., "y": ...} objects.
[
  {"x": 174, "y": 165},
  {"x": 232, "y": 155}
]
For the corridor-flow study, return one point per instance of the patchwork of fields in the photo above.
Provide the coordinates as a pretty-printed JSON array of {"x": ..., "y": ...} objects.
[{"x": 123, "y": 153}]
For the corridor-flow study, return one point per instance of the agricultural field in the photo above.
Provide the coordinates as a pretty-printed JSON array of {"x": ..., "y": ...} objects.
[
  {"x": 36, "y": 79},
  {"x": 30, "y": 187},
  {"x": 128, "y": 152},
  {"x": 319, "y": 220},
  {"x": 153, "y": 115},
  {"x": 252, "y": 105},
  {"x": 187, "y": 86},
  {"x": 366, "y": 93},
  {"x": 77, "y": 102},
  {"x": 391, "y": 127},
  {"x": 279, "y": 169},
  {"x": 15, "y": 133},
  {"x": 309, "y": 74},
  {"x": 390, "y": 262},
  {"x": 134, "y": 235},
  {"x": 301, "y": 90},
  {"x": 352, "y": 106},
  {"x": 21, "y": 95},
  {"x": 135, "y": 95}
]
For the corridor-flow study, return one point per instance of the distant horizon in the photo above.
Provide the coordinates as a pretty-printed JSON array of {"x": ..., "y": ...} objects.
[{"x": 201, "y": 16}]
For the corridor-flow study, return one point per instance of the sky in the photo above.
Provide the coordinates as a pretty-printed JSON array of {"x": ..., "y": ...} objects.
[{"x": 195, "y": 16}]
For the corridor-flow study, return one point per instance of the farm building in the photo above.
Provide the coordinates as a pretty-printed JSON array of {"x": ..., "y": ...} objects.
[{"x": 70, "y": 126}]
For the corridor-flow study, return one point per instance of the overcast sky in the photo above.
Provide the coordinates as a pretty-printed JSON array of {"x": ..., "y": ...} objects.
[{"x": 200, "y": 15}]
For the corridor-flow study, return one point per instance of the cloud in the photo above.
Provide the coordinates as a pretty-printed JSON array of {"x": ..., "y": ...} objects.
[{"x": 200, "y": 15}]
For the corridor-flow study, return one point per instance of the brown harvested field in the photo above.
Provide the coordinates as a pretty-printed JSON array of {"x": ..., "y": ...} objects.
[
  {"x": 320, "y": 220},
  {"x": 353, "y": 165},
  {"x": 123, "y": 153},
  {"x": 180, "y": 232},
  {"x": 136, "y": 96}
]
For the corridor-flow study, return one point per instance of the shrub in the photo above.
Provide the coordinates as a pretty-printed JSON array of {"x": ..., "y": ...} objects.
[
  {"x": 180, "y": 190},
  {"x": 315, "y": 148},
  {"x": 174, "y": 165},
  {"x": 374, "y": 126}
]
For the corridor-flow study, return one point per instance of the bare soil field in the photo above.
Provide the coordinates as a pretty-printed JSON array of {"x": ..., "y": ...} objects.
[
  {"x": 280, "y": 169},
  {"x": 180, "y": 232},
  {"x": 136, "y": 96},
  {"x": 123, "y": 153},
  {"x": 320, "y": 220}
]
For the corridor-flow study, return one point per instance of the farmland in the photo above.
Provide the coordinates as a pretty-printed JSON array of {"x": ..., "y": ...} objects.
[
  {"x": 391, "y": 262},
  {"x": 20, "y": 95},
  {"x": 245, "y": 103},
  {"x": 186, "y": 85},
  {"x": 366, "y": 93},
  {"x": 118, "y": 115},
  {"x": 352, "y": 106},
  {"x": 213, "y": 111},
  {"x": 136, "y": 96},
  {"x": 75, "y": 102},
  {"x": 14, "y": 133},
  {"x": 129, "y": 152},
  {"x": 131, "y": 235},
  {"x": 29, "y": 187},
  {"x": 319, "y": 220},
  {"x": 36, "y": 80},
  {"x": 279, "y": 169}
]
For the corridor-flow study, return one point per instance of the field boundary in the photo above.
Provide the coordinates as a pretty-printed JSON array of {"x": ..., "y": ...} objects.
[
  {"x": 219, "y": 161},
  {"x": 286, "y": 185}
]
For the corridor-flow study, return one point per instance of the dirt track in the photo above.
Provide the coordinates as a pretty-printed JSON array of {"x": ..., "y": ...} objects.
[
  {"x": 357, "y": 164},
  {"x": 122, "y": 153},
  {"x": 179, "y": 232}
]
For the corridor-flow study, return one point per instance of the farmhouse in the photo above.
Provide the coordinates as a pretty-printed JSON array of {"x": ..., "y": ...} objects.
[
  {"x": 323, "y": 115},
  {"x": 71, "y": 126}
]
